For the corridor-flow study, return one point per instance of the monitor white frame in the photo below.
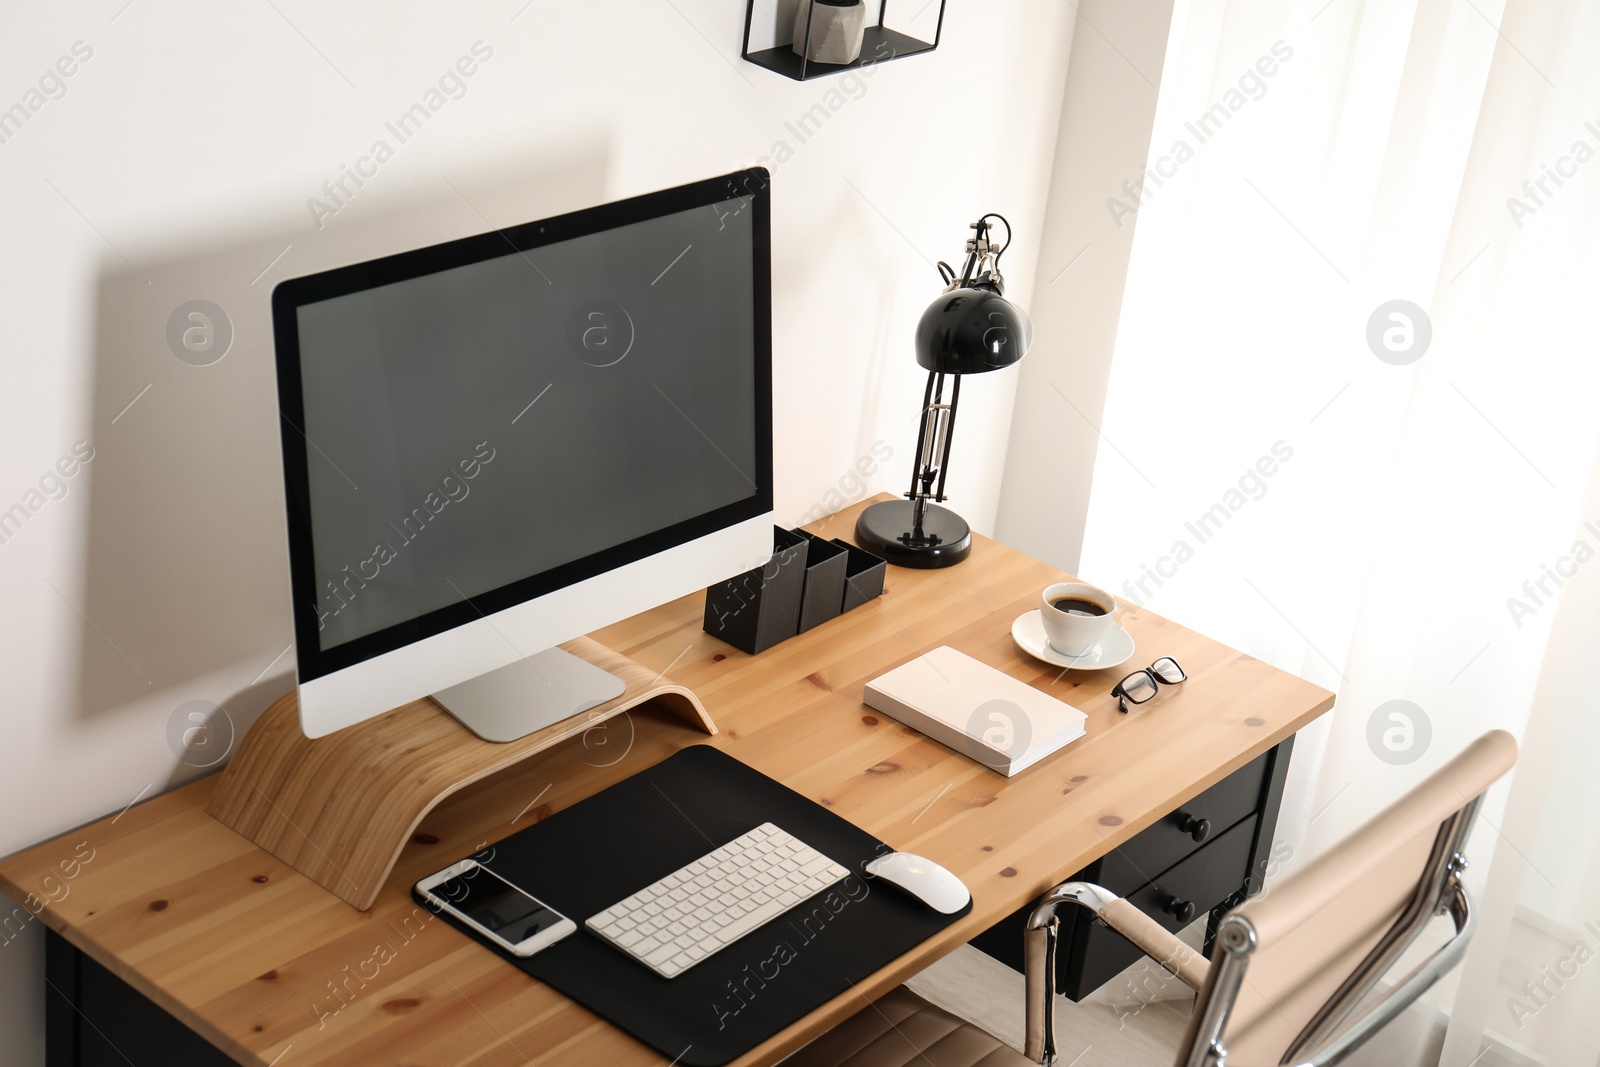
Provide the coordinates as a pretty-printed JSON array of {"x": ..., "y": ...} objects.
[{"x": 363, "y": 690}]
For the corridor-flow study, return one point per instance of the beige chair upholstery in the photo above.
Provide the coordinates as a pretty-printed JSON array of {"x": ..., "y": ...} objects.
[
  {"x": 1292, "y": 978},
  {"x": 1316, "y": 928},
  {"x": 902, "y": 1030}
]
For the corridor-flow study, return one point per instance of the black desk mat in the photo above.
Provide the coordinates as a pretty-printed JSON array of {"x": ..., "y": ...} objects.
[{"x": 582, "y": 860}]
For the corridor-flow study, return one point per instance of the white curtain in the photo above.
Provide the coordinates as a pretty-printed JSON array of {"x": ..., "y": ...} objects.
[{"x": 1353, "y": 431}]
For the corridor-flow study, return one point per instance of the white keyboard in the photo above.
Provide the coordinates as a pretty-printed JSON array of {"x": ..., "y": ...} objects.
[{"x": 693, "y": 912}]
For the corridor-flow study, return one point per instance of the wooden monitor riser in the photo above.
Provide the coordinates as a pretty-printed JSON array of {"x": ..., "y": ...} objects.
[{"x": 340, "y": 808}]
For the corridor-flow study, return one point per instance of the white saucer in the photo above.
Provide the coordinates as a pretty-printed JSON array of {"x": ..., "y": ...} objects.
[{"x": 1116, "y": 647}]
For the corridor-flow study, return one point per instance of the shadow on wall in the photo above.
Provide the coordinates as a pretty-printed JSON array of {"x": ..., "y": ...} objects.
[{"x": 186, "y": 570}]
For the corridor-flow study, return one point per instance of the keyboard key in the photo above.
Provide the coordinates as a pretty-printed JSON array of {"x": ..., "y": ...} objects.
[{"x": 816, "y": 865}]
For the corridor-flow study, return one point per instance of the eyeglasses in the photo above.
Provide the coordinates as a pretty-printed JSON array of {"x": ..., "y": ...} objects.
[{"x": 1140, "y": 686}]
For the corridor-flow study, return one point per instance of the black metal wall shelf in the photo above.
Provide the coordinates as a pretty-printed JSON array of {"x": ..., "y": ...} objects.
[{"x": 879, "y": 44}]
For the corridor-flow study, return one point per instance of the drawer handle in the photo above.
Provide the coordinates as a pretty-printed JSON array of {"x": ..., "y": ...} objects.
[
  {"x": 1199, "y": 829},
  {"x": 1184, "y": 910}
]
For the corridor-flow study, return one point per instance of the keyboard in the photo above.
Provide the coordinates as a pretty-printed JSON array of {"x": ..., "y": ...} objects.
[{"x": 694, "y": 912}]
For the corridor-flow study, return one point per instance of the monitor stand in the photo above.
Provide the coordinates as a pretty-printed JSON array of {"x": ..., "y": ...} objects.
[
  {"x": 368, "y": 788},
  {"x": 534, "y": 692}
]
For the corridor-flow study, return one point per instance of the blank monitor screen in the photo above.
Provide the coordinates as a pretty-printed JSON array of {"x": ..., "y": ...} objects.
[{"x": 525, "y": 419}]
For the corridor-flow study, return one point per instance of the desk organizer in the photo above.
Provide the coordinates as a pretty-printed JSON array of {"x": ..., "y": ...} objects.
[
  {"x": 823, "y": 597},
  {"x": 863, "y": 575},
  {"x": 361, "y": 792},
  {"x": 806, "y": 582},
  {"x": 761, "y": 607}
]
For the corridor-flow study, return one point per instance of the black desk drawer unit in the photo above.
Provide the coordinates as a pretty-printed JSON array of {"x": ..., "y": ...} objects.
[
  {"x": 1203, "y": 858},
  {"x": 92, "y": 1018},
  {"x": 1174, "y": 898},
  {"x": 1186, "y": 830}
]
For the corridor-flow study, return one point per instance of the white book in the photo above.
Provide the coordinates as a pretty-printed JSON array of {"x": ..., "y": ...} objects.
[{"x": 1003, "y": 723}]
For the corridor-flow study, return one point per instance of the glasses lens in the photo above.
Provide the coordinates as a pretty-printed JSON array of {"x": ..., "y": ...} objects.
[
  {"x": 1166, "y": 668},
  {"x": 1137, "y": 687}
]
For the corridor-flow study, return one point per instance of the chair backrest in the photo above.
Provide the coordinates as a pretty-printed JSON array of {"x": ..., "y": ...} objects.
[{"x": 1291, "y": 966}]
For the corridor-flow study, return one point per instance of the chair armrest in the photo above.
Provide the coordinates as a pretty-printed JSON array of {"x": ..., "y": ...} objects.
[
  {"x": 1187, "y": 965},
  {"x": 1043, "y": 934}
]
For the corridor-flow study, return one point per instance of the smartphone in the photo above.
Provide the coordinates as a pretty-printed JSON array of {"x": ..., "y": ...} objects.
[{"x": 511, "y": 917}]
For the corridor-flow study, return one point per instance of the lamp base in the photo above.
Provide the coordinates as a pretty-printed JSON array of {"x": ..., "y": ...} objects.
[{"x": 885, "y": 528}]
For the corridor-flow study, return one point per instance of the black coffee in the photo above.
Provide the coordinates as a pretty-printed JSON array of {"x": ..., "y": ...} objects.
[{"x": 1077, "y": 605}]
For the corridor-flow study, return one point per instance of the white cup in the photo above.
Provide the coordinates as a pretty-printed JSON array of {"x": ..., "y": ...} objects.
[{"x": 1073, "y": 634}]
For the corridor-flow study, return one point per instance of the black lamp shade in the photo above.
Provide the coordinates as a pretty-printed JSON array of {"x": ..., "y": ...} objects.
[{"x": 969, "y": 331}]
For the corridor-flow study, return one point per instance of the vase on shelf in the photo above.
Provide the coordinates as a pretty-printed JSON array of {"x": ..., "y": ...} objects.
[{"x": 837, "y": 27}]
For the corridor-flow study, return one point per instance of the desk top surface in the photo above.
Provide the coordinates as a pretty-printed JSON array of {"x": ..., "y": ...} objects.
[{"x": 258, "y": 959}]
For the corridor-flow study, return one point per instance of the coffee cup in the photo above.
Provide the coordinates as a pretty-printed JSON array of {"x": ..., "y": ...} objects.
[{"x": 1076, "y": 616}]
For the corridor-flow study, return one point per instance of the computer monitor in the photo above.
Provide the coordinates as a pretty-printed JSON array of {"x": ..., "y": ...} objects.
[{"x": 500, "y": 443}]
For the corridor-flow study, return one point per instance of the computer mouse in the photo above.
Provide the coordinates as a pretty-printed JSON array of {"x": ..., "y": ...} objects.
[{"x": 923, "y": 879}]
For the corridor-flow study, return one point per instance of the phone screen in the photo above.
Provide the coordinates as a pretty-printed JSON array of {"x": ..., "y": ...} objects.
[{"x": 496, "y": 905}]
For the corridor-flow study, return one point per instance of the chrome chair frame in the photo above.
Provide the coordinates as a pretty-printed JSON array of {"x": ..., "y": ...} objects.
[{"x": 1330, "y": 1036}]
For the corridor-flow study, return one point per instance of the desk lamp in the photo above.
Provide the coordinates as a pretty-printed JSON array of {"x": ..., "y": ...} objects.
[{"x": 972, "y": 328}]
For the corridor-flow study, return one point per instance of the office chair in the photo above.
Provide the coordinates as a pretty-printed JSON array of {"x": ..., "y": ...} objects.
[{"x": 1289, "y": 969}]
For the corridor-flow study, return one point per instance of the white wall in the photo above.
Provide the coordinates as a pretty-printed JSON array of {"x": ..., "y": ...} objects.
[
  {"x": 177, "y": 165},
  {"x": 1108, "y": 110}
]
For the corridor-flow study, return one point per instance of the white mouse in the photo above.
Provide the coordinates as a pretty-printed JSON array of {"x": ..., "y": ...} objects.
[{"x": 923, "y": 879}]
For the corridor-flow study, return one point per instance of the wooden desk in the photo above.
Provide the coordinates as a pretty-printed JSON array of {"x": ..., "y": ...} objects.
[{"x": 246, "y": 952}]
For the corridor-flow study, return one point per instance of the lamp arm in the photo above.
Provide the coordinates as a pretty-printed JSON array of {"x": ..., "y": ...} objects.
[
  {"x": 982, "y": 267},
  {"x": 949, "y": 435},
  {"x": 922, "y": 437},
  {"x": 977, "y": 250},
  {"x": 932, "y": 449}
]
